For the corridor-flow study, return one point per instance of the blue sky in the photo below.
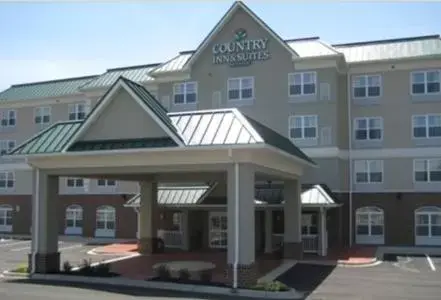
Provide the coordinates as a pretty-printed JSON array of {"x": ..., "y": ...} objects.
[{"x": 47, "y": 40}]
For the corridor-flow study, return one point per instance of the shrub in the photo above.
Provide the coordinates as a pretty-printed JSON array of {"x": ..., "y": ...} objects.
[
  {"x": 163, "y": 272},
  {"x": 23, "y": 268},
  {"x": 206, "y": 275},
  {"x": 86, "y": 267},
  {"x": 102, "y": 269},
  {"x": 184, "y": 274},
  {"x": 67, "y": 267},
  {"x": 274, "y": 286}
]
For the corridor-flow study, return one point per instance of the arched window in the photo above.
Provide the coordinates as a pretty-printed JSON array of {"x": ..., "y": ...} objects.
[
  {"x": 6, "y": 218},
  {"x": 74, "y": 220},
  {"x": 428, "y": 225},
  {"x": 369, "y": 225},
  {"x": 105, "y": 221}
]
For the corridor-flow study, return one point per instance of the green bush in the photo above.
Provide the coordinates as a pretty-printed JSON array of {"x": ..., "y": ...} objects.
[
  {"x": 23, "y": 268},
  {"x": 102, "y": 269},
  {"x": 67, "y": 267},
  {"x": 184, "y": 274},
  {"x": 86, "y": 267},
  {"x": 163, "y": 272},
  {"x": 274, "y": 286}
]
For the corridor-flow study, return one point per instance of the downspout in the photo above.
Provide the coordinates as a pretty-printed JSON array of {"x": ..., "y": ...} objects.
[
  {"x": 35, "y": 230},
  {"x": 349, "y": 97},
  {"x": 236, "y": 221}
]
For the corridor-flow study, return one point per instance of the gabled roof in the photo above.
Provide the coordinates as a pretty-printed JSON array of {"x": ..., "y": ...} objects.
[
  {"x": 45, "y": 89},
  {"x": 311, "y": 47},
  {"x": 175, "y": 64},
  {"x": 224, "y": 20}
]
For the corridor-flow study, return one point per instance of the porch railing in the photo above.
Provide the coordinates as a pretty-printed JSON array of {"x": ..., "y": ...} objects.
[
  {"x": 310, "y": 242},
  {"x": 172, "y": 238}
]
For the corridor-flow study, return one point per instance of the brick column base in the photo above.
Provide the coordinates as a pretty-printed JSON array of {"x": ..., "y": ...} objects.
[
  {"x": 247, "y": 275},
  {"x": 293, "y": 250},
  {"x": 45, "y": 262}
]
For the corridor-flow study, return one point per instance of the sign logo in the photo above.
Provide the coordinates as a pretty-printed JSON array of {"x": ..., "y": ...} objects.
[{"x": 241, "y": 51}]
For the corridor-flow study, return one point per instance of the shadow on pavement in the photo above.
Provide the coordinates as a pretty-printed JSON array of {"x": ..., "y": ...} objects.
[
  {"x": 306, "y": 277},
  {"x": 128, "y": 291}
]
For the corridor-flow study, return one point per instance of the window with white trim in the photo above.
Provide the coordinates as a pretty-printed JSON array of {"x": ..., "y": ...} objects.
[
  {"x": 6, "y": 146},
  {"x": 369, "y": 221},
  {"x": 185, "y": 92},
  {"x": 368, "y": 129},
  {"x": 241, "y": 88},
  {"x": 426, "y": 82},
  {"x": 6, "y": 218},
  {"x": 368, "y": 171},
  {"x": 303, "y": 83},
  {"x": 74, "y": 219},
  {"x": 218, "y": 231},
  {"x": 428, "y": 222},
  {"x": 105, "y": 218},
  {"x": 42, "y": 115},
  {"x": 7, "y": 179},
  {"x": 427, "y": 170},
  {"x": 303, "y": 127},
  {"x": 77, "y": 111},
  {"x": 8, "y": 118},
  {"x": 106, "y": 183},
  {"x": 426, "y": 126},
  {"x": 72, "y": 182},
  {"x": 366, "y": 86}
]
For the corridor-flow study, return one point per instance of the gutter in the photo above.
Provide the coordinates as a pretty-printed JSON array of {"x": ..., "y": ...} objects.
[{"x": 236, "y": 228}]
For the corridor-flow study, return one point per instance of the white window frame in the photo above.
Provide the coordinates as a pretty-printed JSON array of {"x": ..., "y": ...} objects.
[
  {"x": 106, "y": 183},
  {"x": 181, "y": 88},
  {"x": 221, "y": 233},
  {"x": 368, "y": 128},
  {"x": 107, "y": 215},
  {"x": 367, "y": 165},
  {"x": 427, "y": 163},
  {"x": 375, "y": 217},
  {"x": 291, "y": 82},
  {"x": 76, "y": 182},
  {"x": 74, "y": 213},
  {"x": 424, "y": 72},
  {"x": 240, "y": 79},
  {"x": 6, "y": 218},
  {"x": 308, "y": 224},
  {"x": 292, "y": 123},
  {"x": 74, "y": 109},
  {"x": 366, "y": 86},
  {"x": 428, "y": 211},
  {"x": 427, "y": 125},
  {"x": 42, "y": 112},
  {"x": 6, "y": 146},
  {"x": 9, "y": 178},
  {"x": 8, "y": 115}
]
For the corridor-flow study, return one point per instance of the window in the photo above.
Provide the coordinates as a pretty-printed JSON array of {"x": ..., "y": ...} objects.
[
  {"x": 428, "y": 222},
  {"x": 426, "y": 82},
  {"x": 427, "y": 170},
  {"x": 303, "y": 127},
  {"x": 309, "y": 224},
  {"x": 369, "y": 222},
  {"x": 366, "y": 86},
  {"x": 75, "y": 182},
  {"x": 6, "y": 146},
  {"x": 5, "y": 218},
  {"x": 177, "y": 221},
  {"x": 368, "y": 171},
  {"x": 368, "y": 129},
  {"x": 74, "y": 219},
  {"x": 185, "y": 92},
  {"x": 218, "y": 230},
  {"x": 7, "y": 179},
  {"x": 77, "y": 111},
  {"x": 426, "y": 126},
  {"x": 105, "y": 219},
  {"x": 8, "y": 118},
  {"x": 42, "y": 115},
  {"x": 240, "y": 88},
  {"x": 106, "y": 183},
  {"x": 302, "y": 83}
]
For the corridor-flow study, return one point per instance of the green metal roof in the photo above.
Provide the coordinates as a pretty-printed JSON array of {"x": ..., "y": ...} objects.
[
  {"x": 122, "y": 144},
  {"x": 134, "y": 73},
  {"x": 46, "y": 89}
]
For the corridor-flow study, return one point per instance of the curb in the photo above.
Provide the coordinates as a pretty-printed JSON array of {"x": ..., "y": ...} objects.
[
  {"x": 371, "y": 263},
  {"x": 293, "y": 294},
  {"x": 9, "y": 274}
]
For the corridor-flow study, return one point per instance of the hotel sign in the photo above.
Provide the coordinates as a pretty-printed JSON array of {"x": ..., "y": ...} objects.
[{"x": 241, "y": 51}]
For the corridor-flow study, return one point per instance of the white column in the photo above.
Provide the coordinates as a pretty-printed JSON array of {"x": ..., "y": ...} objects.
[
  {"x": 268, "y": 230},
  {"x": 323, "y": 233}
]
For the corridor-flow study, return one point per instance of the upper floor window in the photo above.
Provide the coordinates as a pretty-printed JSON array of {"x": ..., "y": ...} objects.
[
  {"x": 9, "y": 118},
  {"x": 368, "y": 129},
  {"x": 427, "y": 170},
  {"x": 185, "y": 92},
  {"x": 302, "y": 83},
  {"x": 366, "y": 86},
  {"x": 75, "y": 182},
  {"x": 426, "y": 126},
  {"x": 77, "y": 111},
  {"x": 6, "y": 146},
  {"x": 368, "y": 171},
  {"x": 303, "y": 127},
  {"x": 7, "y": 179},
  {"x": 106, "y": 182},
  {"x": 42, "y": 115},
  {"x": 241, "y": 88},
  {"x": 426, "y": 82}
]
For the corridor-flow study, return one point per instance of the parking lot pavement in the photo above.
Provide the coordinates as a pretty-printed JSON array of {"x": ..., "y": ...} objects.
[
  {"x": 423, "y": 263},
  {"x": 15, "y": 252}
]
